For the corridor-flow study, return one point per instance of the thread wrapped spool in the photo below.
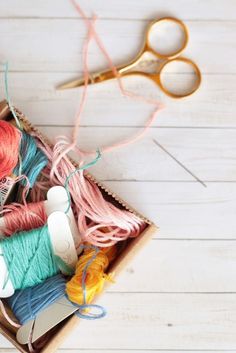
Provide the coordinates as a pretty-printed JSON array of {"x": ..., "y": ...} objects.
[
  {"x": 23, "y": 218},
  {"x": 29, "y": 258},
  {"x": 28, "y": 303},
  {"x": 88, "y": 281}
]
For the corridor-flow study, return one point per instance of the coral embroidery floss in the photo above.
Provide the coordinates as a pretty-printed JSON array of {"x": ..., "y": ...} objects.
[
  {"x": 10, "y": 138},
  {"x": 20, "y": 160},
  {"x": 9, "y": 146},
  {"x": 19, "y": 217}
]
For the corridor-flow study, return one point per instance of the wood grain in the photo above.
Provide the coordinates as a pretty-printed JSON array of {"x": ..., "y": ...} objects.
[
  {"x": 184, "y": 210},
  {"x": 206, "y": 152},
  {"x": 55, "y": 44},
  {"x": 164, "y": 321},
  {"x": 183, "y": 298},
  {"x": 207, "y": 10},
  {"x": 9, "y": 350},
  {"x": 35, "y": 94},
  {"x": 181, "y": 266}
]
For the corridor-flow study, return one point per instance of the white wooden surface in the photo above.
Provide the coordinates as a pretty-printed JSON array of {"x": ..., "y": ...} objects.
[{"x": 179, "y": 294}]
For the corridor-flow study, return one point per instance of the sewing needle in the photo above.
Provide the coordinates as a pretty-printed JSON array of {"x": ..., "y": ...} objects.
[{"x": 180, "y": 163}]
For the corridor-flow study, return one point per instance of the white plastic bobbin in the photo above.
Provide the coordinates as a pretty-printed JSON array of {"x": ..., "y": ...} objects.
[
  {"x": 61, "y": 238},
  {"x": 62, "y": 244},
  {"x": 57, "y": 200}
]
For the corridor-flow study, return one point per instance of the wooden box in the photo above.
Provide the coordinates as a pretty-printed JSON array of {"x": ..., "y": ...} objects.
[{"x": 132, "y": 246}]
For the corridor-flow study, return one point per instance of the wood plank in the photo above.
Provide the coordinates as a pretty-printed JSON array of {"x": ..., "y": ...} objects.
[
  {"x": 159, "y": 321},
  {"x": 55, "y": 45},
  {"x": 184, "y": 210},
  {"x": 181, "y": 266},
  {"x": 9, "y": 350},
  {"x": 208, "y": 153},
  {"x": 35, "y": 94},
  {"x": 113, "y": 9}
]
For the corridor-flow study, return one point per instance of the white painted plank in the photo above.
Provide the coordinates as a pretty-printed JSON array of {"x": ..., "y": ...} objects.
[
  {"x": 208, "y": 153},
  {"x": 159, "y": 321},
  {"x": 121, "y": 9},
  {"x": 184, "y": 210},
  {"x": 9, "y": 350},
  {"x": 35, "y": 95},
  {"x": 55, "y": 45},
  {"x": 181, "y": 266}
]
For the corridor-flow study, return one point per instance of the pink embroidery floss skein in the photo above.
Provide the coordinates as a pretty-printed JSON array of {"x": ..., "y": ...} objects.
[
  {"x": 94, "y": 214},
  {"x": 99, "y": 222},
  {"x": 92, "y": 211}
]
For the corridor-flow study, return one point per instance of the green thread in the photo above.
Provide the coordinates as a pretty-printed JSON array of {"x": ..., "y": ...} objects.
[
  {"x": 79, "y": 169},
  {"x": 8, "y": 96},
  {"x": 29, "y": 258}
]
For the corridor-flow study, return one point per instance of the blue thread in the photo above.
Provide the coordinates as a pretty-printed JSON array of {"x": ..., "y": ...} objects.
[
  {"x": 28, "y": 303},
  {"x": 33, "y": 160},
  {"x": 81, "y": 308}
]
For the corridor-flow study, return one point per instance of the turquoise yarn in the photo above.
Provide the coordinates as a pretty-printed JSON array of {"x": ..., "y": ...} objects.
[
  {"x": 33, "y": 160},
  {"x": 29, "y": 258}
]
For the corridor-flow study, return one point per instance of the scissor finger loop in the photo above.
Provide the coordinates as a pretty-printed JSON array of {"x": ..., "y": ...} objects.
[
  {"x": 148, "y": 45},
  {"x": 195, "y": 70}
]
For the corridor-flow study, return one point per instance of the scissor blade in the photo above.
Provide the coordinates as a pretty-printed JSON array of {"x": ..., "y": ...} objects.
[
  {"x": 93, "y": 78},
  {"x": 72, "y": 84}
]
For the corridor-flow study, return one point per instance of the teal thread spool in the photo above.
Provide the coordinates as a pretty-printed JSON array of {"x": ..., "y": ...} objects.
[{"x": 29, "y": 258}]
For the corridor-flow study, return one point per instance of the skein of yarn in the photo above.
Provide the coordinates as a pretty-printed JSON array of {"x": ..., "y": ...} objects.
[
  {"x": 28, "y": 303},
  {"x": 29, "y": 258},
  {"x": 23, "y": 218},
  {"x": 89, "y": 277},
  {"x": 33, "y": 160},
  {"x": 88, "y": 281},
  {"x": 10, "y": 138},
  {"x": 92, "y": 211}
]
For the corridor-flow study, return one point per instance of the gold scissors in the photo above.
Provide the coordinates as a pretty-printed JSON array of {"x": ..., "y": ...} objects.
[{"x": 162, "y": 59}]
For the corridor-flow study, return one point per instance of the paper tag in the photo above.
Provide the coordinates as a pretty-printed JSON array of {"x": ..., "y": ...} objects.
[
  {"x": 46, "y": 320},
  {"x": 61, "y": 238},
  {"x": 6, "y": 185}
]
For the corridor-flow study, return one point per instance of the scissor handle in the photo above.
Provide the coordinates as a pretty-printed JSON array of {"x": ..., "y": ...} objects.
[
  {"x": 159, "y": 78},
  {"x": 148, "y": 45}
]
